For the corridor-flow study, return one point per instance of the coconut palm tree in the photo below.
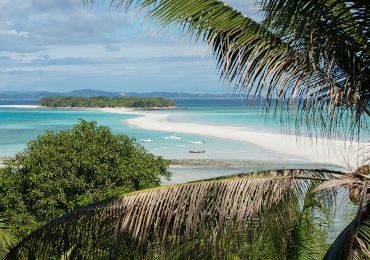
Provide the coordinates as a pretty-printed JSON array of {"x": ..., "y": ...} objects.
[{"x": 310, "y": 57}]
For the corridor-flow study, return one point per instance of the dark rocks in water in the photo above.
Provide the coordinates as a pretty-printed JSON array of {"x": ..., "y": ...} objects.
[{"x": 215, "y": 163}]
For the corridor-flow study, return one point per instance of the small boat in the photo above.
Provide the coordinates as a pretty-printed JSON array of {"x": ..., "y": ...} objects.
[
  {"x": 199, "y": 142},
  {"x": 196, "y": 151},
  {"x": 148, "y": 140},
  {"x": 174, "y": 136}
]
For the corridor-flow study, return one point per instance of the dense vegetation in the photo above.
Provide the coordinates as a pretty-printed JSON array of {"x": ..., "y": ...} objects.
[
  {"x": 101, "y": 101},
  {"x": 63, "y": 171}
]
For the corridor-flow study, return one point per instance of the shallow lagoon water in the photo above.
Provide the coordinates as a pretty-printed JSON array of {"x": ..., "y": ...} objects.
[
  {"x": 189, "y": 174},
  {"x": 20, "y": 125}
]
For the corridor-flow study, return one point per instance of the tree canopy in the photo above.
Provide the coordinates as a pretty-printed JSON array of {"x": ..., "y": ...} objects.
[
  {"x": 62, "y": 171},
  {"x": 101, "y": 101}
]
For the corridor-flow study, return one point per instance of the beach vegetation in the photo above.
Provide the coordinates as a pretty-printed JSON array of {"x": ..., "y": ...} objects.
[
  {"x": 102, "y": 101},
  {"x": 308, "y": 58},
  {"x": 66, "y": 170}
]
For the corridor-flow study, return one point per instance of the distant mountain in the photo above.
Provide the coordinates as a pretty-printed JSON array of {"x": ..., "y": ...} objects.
[
  {"x": 178, "y": 95},
  {"x": 94, "y": 93},
  {"x": 39, "y": 94}
]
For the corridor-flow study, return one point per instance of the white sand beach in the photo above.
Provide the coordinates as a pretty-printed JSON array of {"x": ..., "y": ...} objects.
[{"x": 317, "y": 150}]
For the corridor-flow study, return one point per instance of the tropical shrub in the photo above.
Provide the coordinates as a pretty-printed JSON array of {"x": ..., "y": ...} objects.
[{"x": 62, "y": 171}]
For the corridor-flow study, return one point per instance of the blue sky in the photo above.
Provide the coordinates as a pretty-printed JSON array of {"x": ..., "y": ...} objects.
[{"x": 60, "y": 45}]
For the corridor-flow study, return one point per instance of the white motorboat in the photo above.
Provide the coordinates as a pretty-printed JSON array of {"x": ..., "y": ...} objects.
[
  {"x": 199, "y": 142},
  {"x": 174, "y": 136},
  {"x": 148, "y": 140}
]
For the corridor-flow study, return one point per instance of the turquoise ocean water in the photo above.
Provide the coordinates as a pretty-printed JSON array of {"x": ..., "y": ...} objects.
[{"x": 20, "y": 125}]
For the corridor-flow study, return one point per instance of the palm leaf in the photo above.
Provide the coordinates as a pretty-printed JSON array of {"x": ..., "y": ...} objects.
[
  {"x": 354, "y": 241},
  {"x": 220, "y": 218},
  {"x": 5, "y": 238},
  {"x": 311, "y": 54},
  {"x": 333, "y": 35},
  {"x": 307, "y": 240}
]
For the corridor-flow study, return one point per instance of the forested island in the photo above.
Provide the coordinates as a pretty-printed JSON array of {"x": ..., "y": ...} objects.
[{"x": 102, "y": 101}]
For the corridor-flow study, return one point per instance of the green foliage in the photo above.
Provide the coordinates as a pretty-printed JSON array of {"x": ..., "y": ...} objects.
[
  {"x": 5, "y": 238},
  {"x": 71, "y": 101},
  {"x": 63, "y": 171},
  {"x": 308, "y": 230}
]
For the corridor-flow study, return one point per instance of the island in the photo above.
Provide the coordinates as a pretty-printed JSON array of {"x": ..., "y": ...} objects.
[{"x": 103, "y": 101}]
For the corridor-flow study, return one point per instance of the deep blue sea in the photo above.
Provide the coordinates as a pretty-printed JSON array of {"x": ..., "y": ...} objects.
[{"x": 20, "y": 125}]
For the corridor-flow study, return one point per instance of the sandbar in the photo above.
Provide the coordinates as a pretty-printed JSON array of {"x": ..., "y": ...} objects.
[{"x": 315, "y": 150}]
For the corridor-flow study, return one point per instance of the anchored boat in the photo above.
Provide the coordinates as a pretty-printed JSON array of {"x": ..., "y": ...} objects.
[
  {"x": 199, "y": 142},
  {"x": 174, "y": 136},
  {"x": 148, "y": 140},
  {"x": 196, "y": 151}
]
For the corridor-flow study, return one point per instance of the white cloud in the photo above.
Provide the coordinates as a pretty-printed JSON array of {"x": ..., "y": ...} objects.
[
  {"x": 15, "y": 33},
  {"x": 60, "y": 44},
  {"x": 34, "y": 25}
]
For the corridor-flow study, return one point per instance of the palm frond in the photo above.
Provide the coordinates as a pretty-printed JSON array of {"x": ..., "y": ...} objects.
[
  {"x": 5, "y": 238},
  {"x": 311, "y": 55},
  {"x": 354, "y": 241},
  {"x": 308, "y": 240},
  {"x": 332, "y": 35},
  {"x": 221, "y": 218}
]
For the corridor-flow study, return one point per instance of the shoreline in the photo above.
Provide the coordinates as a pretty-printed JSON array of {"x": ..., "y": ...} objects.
[
  {"x": 318, "y": 150},
  {"x": 99, "y": 108},
  {"x": 314, "y": 150},
  {"x": 176, "y": 163},
  {"x": 188, "y": 163}
]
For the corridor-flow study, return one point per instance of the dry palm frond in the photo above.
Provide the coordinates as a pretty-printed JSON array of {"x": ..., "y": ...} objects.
[
  {"x": 353, "y": 182},
  {"x": 221, "y": 218},
  {"x": 354, "y": 240}
]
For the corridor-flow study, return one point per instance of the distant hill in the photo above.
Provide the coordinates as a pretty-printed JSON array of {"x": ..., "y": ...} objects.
[{"x": 94, "y": 93}]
